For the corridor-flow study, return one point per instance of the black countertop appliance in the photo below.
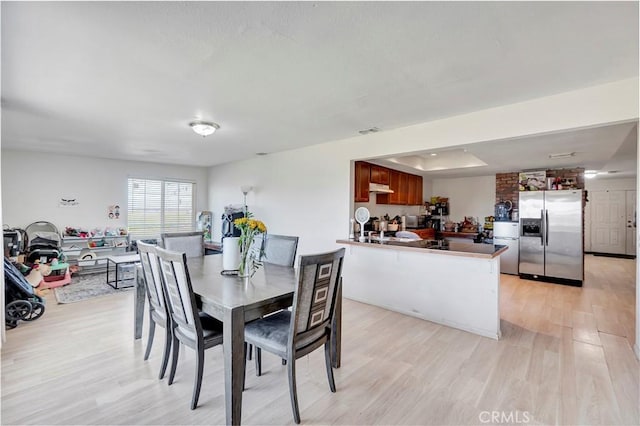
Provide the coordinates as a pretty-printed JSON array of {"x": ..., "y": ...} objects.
[{"x": 228, "y": 227}]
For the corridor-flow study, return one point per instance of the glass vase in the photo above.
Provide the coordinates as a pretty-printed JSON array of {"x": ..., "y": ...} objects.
[{"x": 246, "y": 264}]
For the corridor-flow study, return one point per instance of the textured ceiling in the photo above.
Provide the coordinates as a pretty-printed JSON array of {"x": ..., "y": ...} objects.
[
  {"x": 124, "y": 79},
  {"x": 611, "y": 149}
]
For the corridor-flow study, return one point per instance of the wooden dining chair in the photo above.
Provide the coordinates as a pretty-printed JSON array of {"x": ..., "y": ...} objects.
[
  {"x": 158, "y": 309},
  {"x": 276, "y": 250},
  {"x": 191, "y": 243},
  {"x": 191, "y": 327},
  {"x": 294, "y": 334},
  {"x": 280, "y": 250}
]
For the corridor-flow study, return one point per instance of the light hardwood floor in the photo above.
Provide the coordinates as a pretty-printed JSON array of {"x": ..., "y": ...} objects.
[{"x": 565, "y": 358}]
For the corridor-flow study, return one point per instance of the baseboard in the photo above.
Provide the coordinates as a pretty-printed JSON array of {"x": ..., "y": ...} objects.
[
  {"x": 554, "y": 280},
  {"x": 620, "y": 256}
]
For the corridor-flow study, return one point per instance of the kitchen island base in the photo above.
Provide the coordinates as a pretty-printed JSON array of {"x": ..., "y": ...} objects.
[{"x": 449, "y": 288}]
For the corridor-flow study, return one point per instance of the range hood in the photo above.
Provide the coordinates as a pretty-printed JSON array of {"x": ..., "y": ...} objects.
[{"x": 379, "y": 188}]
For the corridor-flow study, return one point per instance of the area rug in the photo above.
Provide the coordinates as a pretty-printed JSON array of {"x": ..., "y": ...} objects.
[{"x": 85, "y": 287}]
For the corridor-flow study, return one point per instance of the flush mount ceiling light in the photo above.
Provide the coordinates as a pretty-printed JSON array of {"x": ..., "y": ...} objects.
[
  {"x": 433, "y": 154},
  {"x": 562, "y": 155},
  {"x": 204, "y": 128},
  {"x": 590, "y": 174}
]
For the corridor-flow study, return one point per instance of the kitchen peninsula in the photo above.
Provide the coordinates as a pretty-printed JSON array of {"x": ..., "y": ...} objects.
[{"x": 455, "y": 284}]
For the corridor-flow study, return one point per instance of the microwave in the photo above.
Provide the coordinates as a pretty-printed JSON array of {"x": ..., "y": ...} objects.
[{"x": 416, "y": 221}]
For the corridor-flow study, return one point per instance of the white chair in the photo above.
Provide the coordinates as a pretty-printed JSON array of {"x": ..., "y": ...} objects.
[{"x": 190, "y": 243}]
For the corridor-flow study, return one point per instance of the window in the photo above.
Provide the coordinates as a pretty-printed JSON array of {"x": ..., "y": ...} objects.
[{"x": 156, "y": 206}]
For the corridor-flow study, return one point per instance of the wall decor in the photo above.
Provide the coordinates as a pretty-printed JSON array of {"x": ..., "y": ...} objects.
[
  {"x": 532, "y": 181},
  {"x": 113, "y": 212},
  {"x": 68, "y": 202}
]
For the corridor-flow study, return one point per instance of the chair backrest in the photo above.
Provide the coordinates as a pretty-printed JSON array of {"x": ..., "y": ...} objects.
[
  {"x": 152, "y": 278},
  {"x": 180, "y": 297},
  {"x": 314, "y": 301},
  {"x": 280, "y": 250},
  {"x": 190, "y": 243}
]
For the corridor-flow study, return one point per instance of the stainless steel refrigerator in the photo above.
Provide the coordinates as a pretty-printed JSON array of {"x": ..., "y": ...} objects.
[{"x": 551, "y": 237}]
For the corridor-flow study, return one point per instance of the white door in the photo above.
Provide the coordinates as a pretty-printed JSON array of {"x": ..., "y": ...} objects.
[
  {"x": 631, "y": 223},
  {"x": 608, "y": 222}
]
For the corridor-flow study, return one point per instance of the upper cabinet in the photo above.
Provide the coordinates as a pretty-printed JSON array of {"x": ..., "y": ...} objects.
[
  {"x": 414, "y": 191},
  {"x": 411, "y": 191},
  {"x": 394, "y": 185},
  {"x": 403, "y": 189},
  {"x": 379, "y": 174},
  {"x": 362, "y": 171},
  {"x": 407, "y": 188}
]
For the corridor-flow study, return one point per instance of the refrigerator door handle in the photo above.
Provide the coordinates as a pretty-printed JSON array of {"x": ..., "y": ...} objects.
[{"x": 546, "y": 227}]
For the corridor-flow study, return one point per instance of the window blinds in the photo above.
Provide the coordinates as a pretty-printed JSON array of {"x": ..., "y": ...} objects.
[{"x": 157, "y": 206}]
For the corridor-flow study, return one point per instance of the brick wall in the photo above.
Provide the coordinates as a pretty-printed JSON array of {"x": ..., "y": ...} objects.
[
  {"x": 507, "y": 188},
  {"x": 507, "y": 183}
]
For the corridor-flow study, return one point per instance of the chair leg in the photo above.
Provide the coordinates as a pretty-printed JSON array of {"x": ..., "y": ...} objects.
[
  {"x": 258, "y": 361},
  {"x": 175, "y": 350},
  {"x": 291, "y": 368},
  {"x": 284, "y": 361},
  {"x": 152, "y": 332},
  {"x": 244, "y": 366},
  {"x": 198, "y": 383},
  {"x": 249, "y": 351},
  {"x": 167, "y": 349},
  {"x": 327, "y": 359}
]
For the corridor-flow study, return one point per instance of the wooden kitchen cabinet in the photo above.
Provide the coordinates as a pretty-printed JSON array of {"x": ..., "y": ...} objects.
[
  {"x": 394, "y": 185},
  {"x": 362, "y": 175},
  {"x": 379, "y": 175},
  {"x": 407, "y": 188},
  {"x": 403, "y": 189},
  {"x": 412, "y": 183},
  {"x": 414, "y": 190}
]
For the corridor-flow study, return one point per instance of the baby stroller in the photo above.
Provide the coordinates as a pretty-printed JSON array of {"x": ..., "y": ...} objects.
[
  {"x": 22, "y": 303},
  {"x": 43, "y": 242}
]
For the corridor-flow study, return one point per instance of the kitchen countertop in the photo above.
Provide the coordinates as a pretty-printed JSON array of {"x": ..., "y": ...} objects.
[
  {"x": 480, "y": 250},
  {"x": 446, "y": 234}
]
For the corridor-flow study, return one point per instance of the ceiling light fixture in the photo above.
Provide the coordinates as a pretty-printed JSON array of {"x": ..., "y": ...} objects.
[
  {"x": 588, "y": 174},
  {"x": 433, "y": 154},
  {"x": 204, "y": 128},
  {"x": 562, "y": 155}
]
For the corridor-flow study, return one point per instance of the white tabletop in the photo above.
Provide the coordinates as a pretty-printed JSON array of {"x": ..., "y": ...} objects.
[{"x": 126, "y": 258}]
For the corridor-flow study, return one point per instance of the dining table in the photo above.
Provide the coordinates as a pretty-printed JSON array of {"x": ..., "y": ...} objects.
[{"x": 236, "y": 301}]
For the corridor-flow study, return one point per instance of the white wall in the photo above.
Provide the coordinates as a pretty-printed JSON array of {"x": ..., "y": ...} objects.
[
  {"x": 472, "y": 196},
  {"x": 32, "y": 185},
  {"x": 599, "y": 184}
]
